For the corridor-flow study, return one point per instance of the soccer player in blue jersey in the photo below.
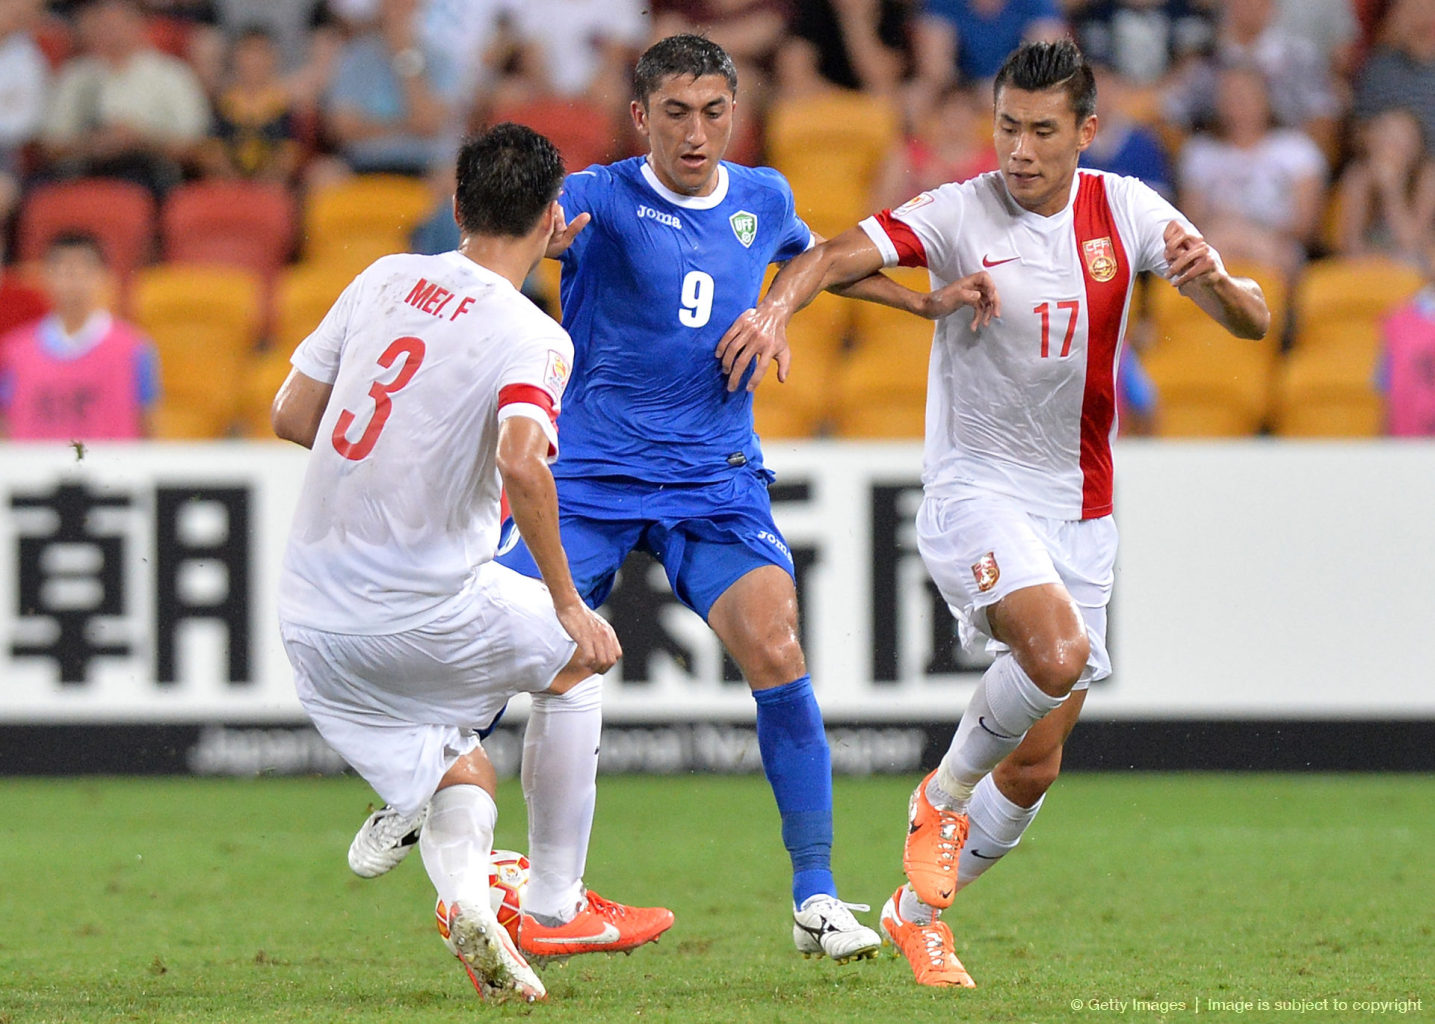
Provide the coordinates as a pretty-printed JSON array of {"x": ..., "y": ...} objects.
[{"x": 659, "y": 451}]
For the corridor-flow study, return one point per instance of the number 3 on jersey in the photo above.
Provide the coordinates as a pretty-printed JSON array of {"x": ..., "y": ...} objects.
[
  {"x": 412, "y": 349},
  {"x": 697, "y": 299}
]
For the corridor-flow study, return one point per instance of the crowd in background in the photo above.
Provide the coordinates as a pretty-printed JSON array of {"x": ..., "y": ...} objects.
[{"x": 1288, "y": 130}]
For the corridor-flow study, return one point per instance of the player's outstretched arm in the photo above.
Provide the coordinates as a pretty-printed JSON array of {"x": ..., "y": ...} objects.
[
  {"x": 1236, "y": 303},
  {"x": 533, "y": 500},
  {"x": 298, "y": 408}
]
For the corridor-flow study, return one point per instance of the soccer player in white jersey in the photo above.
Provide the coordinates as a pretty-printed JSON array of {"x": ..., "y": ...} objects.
[
  {"x": 1015, "y": 524},
  {"x": 430, "y": 384}
]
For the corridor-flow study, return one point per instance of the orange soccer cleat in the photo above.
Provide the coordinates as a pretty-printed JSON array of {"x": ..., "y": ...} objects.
[
  {"x": 929, "y": 948},
  {"x": 600, "y": 927},
  {"x": 934, "y": 841}
]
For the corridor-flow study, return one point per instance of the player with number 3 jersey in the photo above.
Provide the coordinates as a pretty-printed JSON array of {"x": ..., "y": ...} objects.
[{"x": 431, "y": 384}]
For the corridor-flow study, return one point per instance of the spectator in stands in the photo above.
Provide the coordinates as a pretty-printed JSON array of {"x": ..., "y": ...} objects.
[
  {"x": 1409, "y": 360},
  {"x": 253, "y": 132},
  {"x": 189, "y": 30},
  {"x": 1302, "y": 90},
  {"x": 1254, "y": 190},
  {"x": 968, "y": 39},
  {"x": 861, "y": 43},
  {"x": 1122, "y": 144},
  {"x": 393, "y": 100},
  {"x": 952, "y": 142},
  {"x": 1401, "y": 71},
  {"x": 1329, "y": 25},
  {"x": 1145, "y": 40},
  {"x": 593, "y": 56},
  {"x": 24, "y": 79},
  {"x": 123, "y": 109},
  {"x": 79, "y": 373},
  {"x": 1386, "y": 194}
]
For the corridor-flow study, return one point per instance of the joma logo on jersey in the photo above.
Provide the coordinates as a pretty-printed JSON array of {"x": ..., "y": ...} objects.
[
  {"x": 744, "y": 225},
  {"x": 773, "y": 539},
  {"x": 669, "y": 219}
]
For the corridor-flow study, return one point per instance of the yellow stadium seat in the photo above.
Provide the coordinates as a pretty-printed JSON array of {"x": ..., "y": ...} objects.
[
  {"x": 1174, "y": 314},
  {"x": 360, "y": 218},
  {"x": 264, "y": 373},
  {"x": 1353, "y": 289},
  {"x": 882, "y": 385},
  {"x": 1357, "y": 335},
  {"x": 831, "y": 148},
  {"x": 883, "y": 326},
  {"x": 204, "y": 321},
  {"x": 1329, "y": 392},
  {"x": 303, "y": 294},
  {"x": 1209, "y": 384}
]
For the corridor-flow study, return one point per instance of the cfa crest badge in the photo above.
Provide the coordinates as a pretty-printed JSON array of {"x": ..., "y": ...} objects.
[
  {"x": 1100, "y": 257},
  {"x": 744, "y": 225},
  {"x": 987, "y": 572}
]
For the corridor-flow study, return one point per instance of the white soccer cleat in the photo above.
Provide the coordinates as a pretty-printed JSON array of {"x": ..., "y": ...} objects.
[
  {"x": 383, "y": 840},
  {"x": 824, "y": 926},
  {"x": 487, "y": 953}
]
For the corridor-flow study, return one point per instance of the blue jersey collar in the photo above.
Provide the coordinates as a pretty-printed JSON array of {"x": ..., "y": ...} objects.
[{"x": 706, "y": 202}]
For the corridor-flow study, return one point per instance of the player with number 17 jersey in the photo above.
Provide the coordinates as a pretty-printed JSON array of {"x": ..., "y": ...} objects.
[{"x": 648, "y": 401}]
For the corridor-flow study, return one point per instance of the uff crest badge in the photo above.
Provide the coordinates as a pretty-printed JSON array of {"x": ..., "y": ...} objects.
[
  {"x": 744, "y": 225},
  {"x": 1100, "y": 256},
  {"x": 986, "y": 572}
]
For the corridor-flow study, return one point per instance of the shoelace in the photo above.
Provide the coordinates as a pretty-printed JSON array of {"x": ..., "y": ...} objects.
[
  {"x": 951, "y": 833},
  {"x": 935, "y": 945},
  {"x": 390, "y": 828},
  {"x": 606, "y": 908},
  {"x": 841, "y": 909}
]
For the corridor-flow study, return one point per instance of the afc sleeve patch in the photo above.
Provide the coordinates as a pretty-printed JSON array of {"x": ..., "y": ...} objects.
[
  {"x": 915, "y": 203},
  {"x": 555, "y": 374}
]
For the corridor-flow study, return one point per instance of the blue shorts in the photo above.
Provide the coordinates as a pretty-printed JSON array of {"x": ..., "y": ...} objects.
[{"x": 707, "y": 536}]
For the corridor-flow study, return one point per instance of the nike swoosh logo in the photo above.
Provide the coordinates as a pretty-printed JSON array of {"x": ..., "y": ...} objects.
[
  {"x": 987, "y": 261},
  {"x": 982, "y": 721},
  {"x": 982, "y": 856},
  {"x": 607, "y": 936}
]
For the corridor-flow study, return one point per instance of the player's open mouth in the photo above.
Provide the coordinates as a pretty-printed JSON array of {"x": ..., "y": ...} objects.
[{"x": 693, "y": 159}]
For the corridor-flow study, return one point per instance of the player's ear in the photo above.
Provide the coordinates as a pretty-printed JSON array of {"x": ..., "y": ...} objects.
[
  {"x": 456, "y": 218},
  {"x": 1086, "y": 132},
  {"x": 639, "y": 111}
]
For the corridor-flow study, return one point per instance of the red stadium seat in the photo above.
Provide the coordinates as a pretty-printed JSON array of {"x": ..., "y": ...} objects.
[
  {"x": 582, "y": 132},
  {"x": 232, "y": 223},
  {"x": 120, "y": 214}
]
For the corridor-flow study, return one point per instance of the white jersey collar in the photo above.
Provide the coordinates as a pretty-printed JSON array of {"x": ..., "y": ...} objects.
[
  {"x": 1038, "y": 221},
  {"x": 707, "y": 202}
]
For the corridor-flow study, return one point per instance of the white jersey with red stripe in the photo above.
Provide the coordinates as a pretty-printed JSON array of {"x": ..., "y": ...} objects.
[
  {"x": 1026, "y": 407},
  {"x": 400, "y": 502}
]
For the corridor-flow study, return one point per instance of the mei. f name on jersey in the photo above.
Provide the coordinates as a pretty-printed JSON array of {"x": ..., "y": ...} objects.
[{"x": 671, "y": 220}]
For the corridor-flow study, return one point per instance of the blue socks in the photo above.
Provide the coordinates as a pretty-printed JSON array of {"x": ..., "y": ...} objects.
[{"x": 798, "y": 766}]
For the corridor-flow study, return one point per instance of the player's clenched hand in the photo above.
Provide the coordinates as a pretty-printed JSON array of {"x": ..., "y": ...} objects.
[
  {"x": 1191, "y": 258},
  {"x": 598, "y": 647},
  {"x": 976, "y": 290},
  {"x": 564, "y": 233},
  {"x": 756, "y": 338}
]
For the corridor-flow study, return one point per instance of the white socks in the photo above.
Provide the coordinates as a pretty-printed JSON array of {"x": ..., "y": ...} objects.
[
  {"x": 1005, "y": 705},
  {"x": 996, "y": 825},
  {"x": 560, "y": 786},
  {"x": 457, "y": 843}
]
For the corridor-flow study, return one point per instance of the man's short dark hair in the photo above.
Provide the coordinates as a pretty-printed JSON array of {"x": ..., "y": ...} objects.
[
  {"x": 507, "y": 176},
  {"x": 690, "y": 55},
  {"x": 74, "y": 238},
  {"x": 1036, "y": 67}
]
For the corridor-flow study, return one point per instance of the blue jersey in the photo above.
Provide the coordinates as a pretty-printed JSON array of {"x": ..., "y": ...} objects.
[{"x": 648, "y": 290}]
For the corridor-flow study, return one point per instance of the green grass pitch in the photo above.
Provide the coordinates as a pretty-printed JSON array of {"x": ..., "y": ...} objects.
[{"x": 197, "y": 900}]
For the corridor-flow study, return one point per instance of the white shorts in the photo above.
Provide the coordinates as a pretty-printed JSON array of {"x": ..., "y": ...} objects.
[
  {"x": 980, "y": 549},
  {"x": 402, "y": 707}
]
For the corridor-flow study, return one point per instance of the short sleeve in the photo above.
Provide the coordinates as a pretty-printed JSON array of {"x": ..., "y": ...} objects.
[
  {"x": 533, "y": 382},
  {"x": 583, "y": 193},
  {"x": 796, "y": 237},
  {"x": 1149, "y": 214},
  {"x": 318, "y": 355},
  {"x": 920, "y": 232}
]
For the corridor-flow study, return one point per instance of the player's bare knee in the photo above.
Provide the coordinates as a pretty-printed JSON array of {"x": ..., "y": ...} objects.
[
  {"x": 472, "y": 769},
  {"x": 772, "y": 660},
  {"x": 1024, "y": 782},
  {"x": 1055, "y": 665}
]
